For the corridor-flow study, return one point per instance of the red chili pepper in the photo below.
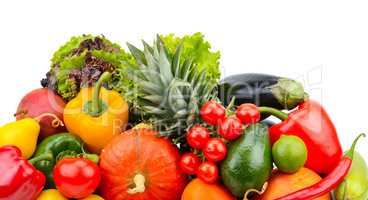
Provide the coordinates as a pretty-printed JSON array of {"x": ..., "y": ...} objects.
[
  {"x": 19, "y": 179},
  {"x": 312, "y": 124},
  {"x": 330, "y": 182}
]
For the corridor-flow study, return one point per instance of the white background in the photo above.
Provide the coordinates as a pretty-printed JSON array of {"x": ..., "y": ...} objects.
[{"x": 324, "y": 44}]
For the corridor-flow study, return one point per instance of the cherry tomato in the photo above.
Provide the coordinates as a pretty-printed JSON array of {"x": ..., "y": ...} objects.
[
  {"x": 76, "y": 177},
  {"x": 189, "y": 163},
  {"x": 198, "y": 136},
  {"x": 215, "y": 150},
  {"x": 208, "y": 172},
  {"x": 212, "y": 112},
  {"x": 231, "y": 128},
  {"x": 248, "y": 113}
]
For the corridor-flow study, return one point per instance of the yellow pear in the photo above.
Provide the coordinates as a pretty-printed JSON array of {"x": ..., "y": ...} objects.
[
  {"x": 51, "y": 194},
  {"x": 23, "y": 134},
  {"x": 93, "y": 197}
]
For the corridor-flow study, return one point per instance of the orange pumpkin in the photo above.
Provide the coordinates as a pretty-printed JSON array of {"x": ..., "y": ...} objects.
[
  {"x": 199, "y": 190},
  {"x": 282, "y": 184},
  {"x": 137, "y": 165}
]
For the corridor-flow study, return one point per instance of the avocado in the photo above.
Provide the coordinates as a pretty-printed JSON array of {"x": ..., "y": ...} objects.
[{"x": 248, "y": 164}]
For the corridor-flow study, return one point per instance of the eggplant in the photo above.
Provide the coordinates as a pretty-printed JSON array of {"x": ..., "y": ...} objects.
[{"x": 262, "y": 90}]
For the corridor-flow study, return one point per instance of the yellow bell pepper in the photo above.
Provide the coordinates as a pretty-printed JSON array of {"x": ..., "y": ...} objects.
[
  {"x": 24, "y": 133},
  {"x": 51, "y": 194},
  {"x": 96, "y": 115},
  {"x": 93, "y": 197}
]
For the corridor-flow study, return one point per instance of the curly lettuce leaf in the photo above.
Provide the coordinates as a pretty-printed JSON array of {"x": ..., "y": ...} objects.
[
  {"x": 65, "y": 49},
  {"x": 64, "y": 61},
  {"x": 195, "y": 47}
]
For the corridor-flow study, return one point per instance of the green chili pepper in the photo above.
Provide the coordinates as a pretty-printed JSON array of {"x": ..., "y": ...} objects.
[
  {"x": 355, "y": 185},
  {"x": 59, "y": 146}
]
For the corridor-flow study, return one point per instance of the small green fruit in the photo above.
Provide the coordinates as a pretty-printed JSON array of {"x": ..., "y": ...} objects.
[
  {"x": 289, "y": 153},
  {"x": 355, "y": 186}
]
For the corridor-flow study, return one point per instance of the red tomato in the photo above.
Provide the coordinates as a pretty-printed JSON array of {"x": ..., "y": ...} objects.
[
  {"x": 189, "y": 163},
  {"x": 231, "y": 128},
  {"x": 215, "y": 150},
  {"x": 208, "y": 172},
  {"x": 212, "y": 112},
  {"x": 248, "y": 113},
  {"x": 76, "y": 177},
  {"x": 198, "y": 136}
]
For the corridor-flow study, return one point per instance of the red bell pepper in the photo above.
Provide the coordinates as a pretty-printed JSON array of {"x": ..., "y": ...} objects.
[
  {"x": 19, "y": 180},
  {"x": 312, "y": 124}
]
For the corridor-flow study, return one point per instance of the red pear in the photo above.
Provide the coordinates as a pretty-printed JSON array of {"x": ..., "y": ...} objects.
[{"x": 41, "y": 101}]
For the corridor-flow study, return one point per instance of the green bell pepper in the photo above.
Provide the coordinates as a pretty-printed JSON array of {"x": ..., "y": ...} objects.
[{"x": 58, "y": 147}]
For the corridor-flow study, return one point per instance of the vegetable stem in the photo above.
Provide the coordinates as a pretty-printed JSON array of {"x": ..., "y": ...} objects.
[
  {"x": 350, "y": 153},
  {"x": 36, "y": 159},
  {"x": 139, "y": 181},
  {"x": 274, "y": 112},
  {"x": 96, "y": 104},
  {"x": 56, "y": 122},
  {"x": 230, "y": 107}
]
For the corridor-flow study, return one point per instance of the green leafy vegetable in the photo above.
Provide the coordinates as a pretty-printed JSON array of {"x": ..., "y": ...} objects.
[
  {"x": 196, "y": 48},
  {"x": 80, "y": 62}
]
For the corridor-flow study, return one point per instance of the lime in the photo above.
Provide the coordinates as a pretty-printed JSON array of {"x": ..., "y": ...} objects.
[{"x": 289, "y": 153}]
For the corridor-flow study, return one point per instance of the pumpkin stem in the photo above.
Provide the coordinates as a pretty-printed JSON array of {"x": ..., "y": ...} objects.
[
  {"x": 264, "y": 188},
  {"x": 139, "y": 181}
]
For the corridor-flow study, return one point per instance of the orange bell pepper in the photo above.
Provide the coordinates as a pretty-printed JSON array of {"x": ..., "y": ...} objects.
[{"x": 96, "y": 115}]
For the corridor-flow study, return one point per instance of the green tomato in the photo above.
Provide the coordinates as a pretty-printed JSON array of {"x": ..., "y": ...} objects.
[
  {"x": 289, "y": 153},
  {"x": 355, "y": 186}
]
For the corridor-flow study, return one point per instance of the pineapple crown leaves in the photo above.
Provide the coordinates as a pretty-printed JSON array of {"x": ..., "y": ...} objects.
[{"x": 171, "y": 88}]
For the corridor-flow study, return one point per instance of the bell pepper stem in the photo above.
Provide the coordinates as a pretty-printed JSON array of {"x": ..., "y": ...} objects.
[
  {"x": 92, "y": 157},
  {"x": 274, "y": 112},
  {"x": 350, "y": 153},
  {"x": 36, "y": 159},
  {"x": 96, "y": 105}
]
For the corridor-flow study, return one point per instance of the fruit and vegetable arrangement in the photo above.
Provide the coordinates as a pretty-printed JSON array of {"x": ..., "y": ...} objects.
[{"x": 158, "y": 123}]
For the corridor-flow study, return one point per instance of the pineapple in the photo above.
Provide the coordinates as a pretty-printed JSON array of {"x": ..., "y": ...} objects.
[{"x": 170, "y": 90}]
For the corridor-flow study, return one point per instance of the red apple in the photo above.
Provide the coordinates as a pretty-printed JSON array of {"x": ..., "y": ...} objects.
[{"x": 42, "y": 101}]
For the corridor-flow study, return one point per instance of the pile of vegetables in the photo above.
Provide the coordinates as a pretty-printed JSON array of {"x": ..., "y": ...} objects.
[{"x": 157, "y": 123}]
